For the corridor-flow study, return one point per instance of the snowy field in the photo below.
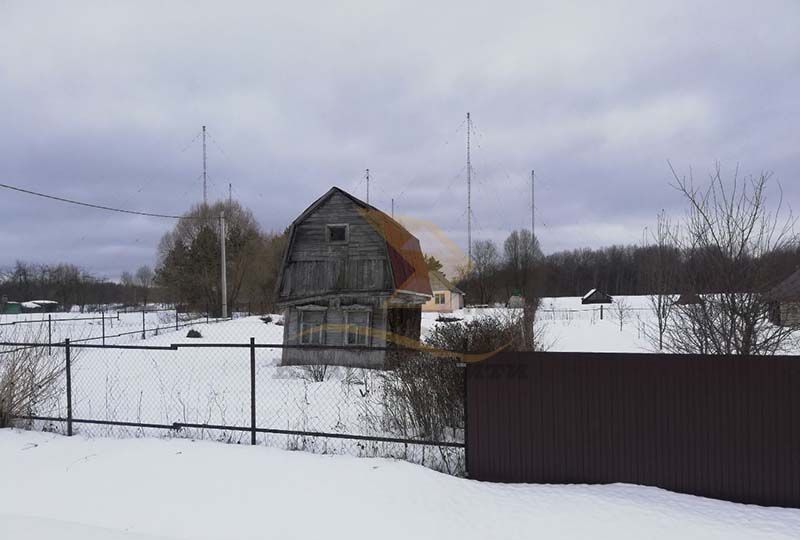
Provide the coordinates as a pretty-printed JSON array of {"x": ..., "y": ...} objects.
[
  {"x": 90, "y": 326},
  {"x": 140, "y": 489},
  {"x": 212, "y": 385},
  {"x": 564, "y": 324}
]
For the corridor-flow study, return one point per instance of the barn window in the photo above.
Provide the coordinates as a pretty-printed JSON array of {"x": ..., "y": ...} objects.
[
  {"x": 357, "y": 327},
  {"x": 438, "y": 298},
  {"x": 337, "y": 234},
  {"x": 311, "y": 327}
]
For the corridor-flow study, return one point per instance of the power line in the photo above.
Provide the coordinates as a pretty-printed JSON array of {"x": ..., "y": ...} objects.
[{"x": 91, "y": 205}]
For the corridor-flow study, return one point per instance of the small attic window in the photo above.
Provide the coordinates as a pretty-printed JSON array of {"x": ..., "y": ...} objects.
[{"x": 336, "y": 234}]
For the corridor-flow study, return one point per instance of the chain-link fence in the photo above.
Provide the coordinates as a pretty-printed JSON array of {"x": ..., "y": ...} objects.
[
  {"x": 110, "y": 326},
  {"x": 230, "y": 384}
]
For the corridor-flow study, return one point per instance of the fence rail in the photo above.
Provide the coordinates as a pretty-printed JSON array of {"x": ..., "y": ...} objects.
[{"x": 191, "y": 389}]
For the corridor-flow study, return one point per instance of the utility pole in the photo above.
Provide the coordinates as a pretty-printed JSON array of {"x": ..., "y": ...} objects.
[
  {"x": 469, "y": 196},
  {"x": 392, "y": 207},
  {"x": 205, "y": 185},
  {"x": 367, "y": 186},
  {"x": 533, "y": 208},
  {"x": 230, "y": 195},
  {"x": 223, "y": 269}
]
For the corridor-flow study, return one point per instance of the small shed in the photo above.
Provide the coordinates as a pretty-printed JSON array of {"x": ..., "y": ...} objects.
[
  {"x": 31, "y": 307},
  {"x": 446, "y": 296},
  {"x": 596, "y": 297},
  {"x": 47, "y": 306},
  {"x": 352, "y": 277},
  {"x": 10, "y": 308},
  {"x": 784, "y": 301},
  {"x": 687, "y": 299}
]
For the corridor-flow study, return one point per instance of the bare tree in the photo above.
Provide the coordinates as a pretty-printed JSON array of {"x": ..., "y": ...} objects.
[
  {"x": 189, "y": 255},
  {"x": 621, "y": 310},
  {"x": 485, "y": 260},
  {"x": 144, "y": 280},
  {"x": 660, "y": 271},
  {"x": 727, "y": 238}
]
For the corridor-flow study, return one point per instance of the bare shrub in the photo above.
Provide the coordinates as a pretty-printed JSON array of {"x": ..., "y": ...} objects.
[
  {"x": 485, "y": 334},
  {"x": 29, "y": 376},
  {"x": 313, "y": 372},
  {"x": 424, "y": 394}
]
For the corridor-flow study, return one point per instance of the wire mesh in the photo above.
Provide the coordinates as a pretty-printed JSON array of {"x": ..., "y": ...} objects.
[{"x": 205, "y": 380}]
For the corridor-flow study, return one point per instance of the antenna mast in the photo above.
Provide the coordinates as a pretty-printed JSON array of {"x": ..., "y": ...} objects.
[
  {"x": 469, "y": 196},
  {"x": 367, "y": 186},
  {"x": 205, "y": 186},
  {"x": 533, "y": 207}
]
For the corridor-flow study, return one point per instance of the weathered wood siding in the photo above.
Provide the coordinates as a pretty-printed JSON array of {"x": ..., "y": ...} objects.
[
  {"x": 334, "y": 335},
  {"x": 316, "y": 267},
  {"x": 790, "y": 313}
]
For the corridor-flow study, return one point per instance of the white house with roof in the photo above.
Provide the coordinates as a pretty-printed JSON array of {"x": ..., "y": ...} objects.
[{"x": 446, "y": 296}]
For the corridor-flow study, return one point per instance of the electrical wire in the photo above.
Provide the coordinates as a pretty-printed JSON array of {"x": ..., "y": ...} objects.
[{"x": 91, "y": 205}]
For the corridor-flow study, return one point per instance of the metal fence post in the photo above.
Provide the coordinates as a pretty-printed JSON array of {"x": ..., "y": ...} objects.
[
  {"x": 49, "y": 334},
  {"x": 466, "y": 421},
  {"x": 176, "y": 317},
  {"x": 207, "y": 314},
  {"x": 252, "y": 390},
  {"x": 69, "y": 386},
  {"x": 601, "y": 312},
  {"x": 143, "y": 324},
  {"x": 103, "y": 317}
]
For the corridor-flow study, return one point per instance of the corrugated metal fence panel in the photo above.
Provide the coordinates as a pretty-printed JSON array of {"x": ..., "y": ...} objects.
[{"x": 717, "y": 426}]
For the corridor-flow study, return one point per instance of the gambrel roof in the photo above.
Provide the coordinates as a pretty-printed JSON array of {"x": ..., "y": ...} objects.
[
  {"x": 407, "y": 264},
  {"x": 787, "y": 290},
  {"x": 441, "y": 283}
]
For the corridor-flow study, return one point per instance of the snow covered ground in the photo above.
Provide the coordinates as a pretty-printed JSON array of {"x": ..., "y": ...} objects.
[
  {"x": 565, "y": 324},
  {"x": 56, "y": 487},
  {"x": 212, "y": 385},
  {"x": 89, "y": 326}
]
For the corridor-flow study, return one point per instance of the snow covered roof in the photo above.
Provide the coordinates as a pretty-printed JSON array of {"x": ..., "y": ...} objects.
[
  {"x": 787, "y": 290},
  {"x": 596, "y": 297},
  {"x": 31, "y": 305},
  {"x": 441, "y": 283}
]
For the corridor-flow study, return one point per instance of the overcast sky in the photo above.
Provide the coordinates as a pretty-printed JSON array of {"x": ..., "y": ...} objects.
[{"x": 103, "y": 102}]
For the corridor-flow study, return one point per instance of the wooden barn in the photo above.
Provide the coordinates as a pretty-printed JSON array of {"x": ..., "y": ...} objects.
[
  {"x": 596, "y": 297},
  {"x": 784, "y": 300},
  {"x": 351, "y": 276}
]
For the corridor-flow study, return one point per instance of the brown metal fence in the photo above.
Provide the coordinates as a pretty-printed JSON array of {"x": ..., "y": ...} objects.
[{"x": 717, "y": 426}]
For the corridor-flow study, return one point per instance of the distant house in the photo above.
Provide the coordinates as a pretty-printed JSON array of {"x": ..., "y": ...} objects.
[
  {"x": 446, "y": 296},
  {"x": 47, "y": 306},
  {"x": 9, "y": 308},
  {"x": 687, "y": 299},
  {"x": 351, "y": 276},
  {"x": 596, "y": 297},
  {"x": 784, "y": 301}
]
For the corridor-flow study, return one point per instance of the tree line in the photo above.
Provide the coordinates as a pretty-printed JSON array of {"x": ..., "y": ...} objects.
[
  {"x": 498, "y": 273},
  {"x": 67, "y": 284}
]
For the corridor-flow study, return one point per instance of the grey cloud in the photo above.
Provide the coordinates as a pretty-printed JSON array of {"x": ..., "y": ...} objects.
[{"x": 100, "y": 104}]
